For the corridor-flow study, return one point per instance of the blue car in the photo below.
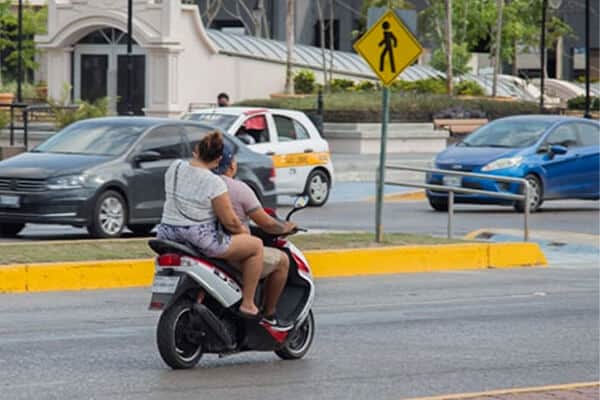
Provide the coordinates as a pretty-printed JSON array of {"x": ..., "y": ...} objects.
[{"x": 559, "y": 156}]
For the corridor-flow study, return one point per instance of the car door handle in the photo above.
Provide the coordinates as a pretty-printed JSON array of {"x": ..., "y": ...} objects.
[
  {"x": 270, "y": 153},
  {"x": 308, "y": 150}
]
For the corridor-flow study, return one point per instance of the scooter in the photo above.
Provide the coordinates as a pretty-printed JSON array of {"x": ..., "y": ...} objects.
[{"x": 199, "y": 298}]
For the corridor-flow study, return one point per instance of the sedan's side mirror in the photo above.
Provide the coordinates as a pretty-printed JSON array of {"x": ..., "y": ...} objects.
[
  {"x": 146, "y": 156},
  {"x": 558, "y": 149}
]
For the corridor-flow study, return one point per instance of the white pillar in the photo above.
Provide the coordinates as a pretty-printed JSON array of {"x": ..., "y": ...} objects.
[
  {"x": 59, "y": 70},
  {"x": 163, "y": 82}
]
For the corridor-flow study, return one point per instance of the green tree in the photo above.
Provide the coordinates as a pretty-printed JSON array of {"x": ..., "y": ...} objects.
[
  {"x": 460, "y": 59},
  {"x": 362, "y": 22},
  {"x": 34, "y": 23}
]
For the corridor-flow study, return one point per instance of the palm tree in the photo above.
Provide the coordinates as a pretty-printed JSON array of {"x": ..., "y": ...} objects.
[{"x": 289, "y": 25}]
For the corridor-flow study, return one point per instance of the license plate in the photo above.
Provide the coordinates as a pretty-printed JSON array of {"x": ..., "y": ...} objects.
[
  {"x": 9, "y": 201},
  {"x": 165, "y": 284},
  {"x": 455, "y": 181}
]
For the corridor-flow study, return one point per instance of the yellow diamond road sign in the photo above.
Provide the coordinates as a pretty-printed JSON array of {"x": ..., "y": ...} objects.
[{"x": 388, "y": 47}]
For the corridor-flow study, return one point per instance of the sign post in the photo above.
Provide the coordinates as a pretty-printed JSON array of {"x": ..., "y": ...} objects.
[{"x": 388, "y": 47}]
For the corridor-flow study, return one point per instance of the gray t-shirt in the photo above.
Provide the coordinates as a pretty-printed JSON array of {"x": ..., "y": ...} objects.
[
  {"x": 243, "y": 199},
  {"x": 191, "y": 204}
]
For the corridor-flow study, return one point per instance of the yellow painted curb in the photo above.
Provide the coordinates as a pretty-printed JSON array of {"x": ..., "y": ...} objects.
[
  {"x": 397, "y": 197},
  {"x": 325, "y": 264},
  {"x": 551, "y": 388}
]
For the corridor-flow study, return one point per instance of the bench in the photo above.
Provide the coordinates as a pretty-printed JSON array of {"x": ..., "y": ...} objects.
[{"x": 459, "y": 127}]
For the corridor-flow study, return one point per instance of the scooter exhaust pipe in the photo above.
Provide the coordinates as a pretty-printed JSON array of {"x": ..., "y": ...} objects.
[{"x": 210, "y": 321}]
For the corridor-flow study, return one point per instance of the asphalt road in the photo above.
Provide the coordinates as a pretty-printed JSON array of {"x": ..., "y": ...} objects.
[
  {"x": 410, "y": 217},
  {"x": 377, "y": 337}
]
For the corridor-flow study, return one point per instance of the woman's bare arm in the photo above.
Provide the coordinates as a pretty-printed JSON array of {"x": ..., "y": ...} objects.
[{"x": 224, "y": 210}]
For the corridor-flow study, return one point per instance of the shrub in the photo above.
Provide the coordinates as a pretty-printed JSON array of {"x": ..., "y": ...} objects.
[
  {"x": 460, "y": 59},
  {"x": 366, "y": 86},
  {"x": 422, "y": 86},
  {"x": 28, "y": 90},
  {"x": 578, "y": 103},
  {"x": 67, "y": 114},
  {"x": 341, "y": 85},
  {"x": 469, "y": 88},
  {"x": 4, "y": 119},
  {"x": 304, "y": 82},
  {"x": 366, "y": 107}
]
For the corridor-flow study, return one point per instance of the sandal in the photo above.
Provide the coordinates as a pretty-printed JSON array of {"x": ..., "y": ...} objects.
[{"x": 245, "y": 315}]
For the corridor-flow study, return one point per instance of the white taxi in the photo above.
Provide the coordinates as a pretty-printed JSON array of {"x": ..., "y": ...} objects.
[{"x": 300, "y": 155}]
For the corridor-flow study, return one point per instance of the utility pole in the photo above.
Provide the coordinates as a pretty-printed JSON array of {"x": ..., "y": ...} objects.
[
  {"x": 129, "y": 57},
  {"x": 449, "y": 78},
  {"x": 587, "y": 113},
  {"x": 20, "y": 53},
  {"x": 543, "y": 55}
]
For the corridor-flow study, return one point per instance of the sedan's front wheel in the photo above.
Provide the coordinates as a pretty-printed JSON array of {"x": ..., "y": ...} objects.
[
  {"x": 536, "y": 195},
  {"x": 109, "y": 216}
]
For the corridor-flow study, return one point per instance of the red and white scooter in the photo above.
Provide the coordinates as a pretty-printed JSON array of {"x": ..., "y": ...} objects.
[{"x": 199, "y": 297}]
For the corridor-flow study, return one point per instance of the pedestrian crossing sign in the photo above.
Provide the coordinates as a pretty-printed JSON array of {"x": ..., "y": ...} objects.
[{"x": 388, "y": 47}]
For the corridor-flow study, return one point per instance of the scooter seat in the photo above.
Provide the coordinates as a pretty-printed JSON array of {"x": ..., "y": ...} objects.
[{"x": 166, "y": 246}]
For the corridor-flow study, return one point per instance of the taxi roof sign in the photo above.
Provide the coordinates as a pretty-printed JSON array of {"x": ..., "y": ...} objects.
[{"x": 388, "y": 47}]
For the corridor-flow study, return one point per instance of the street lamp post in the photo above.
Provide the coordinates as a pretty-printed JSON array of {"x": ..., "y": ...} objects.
[
  {"x": 20, "y": 52},
  {"x": 129, "y": 56},
  {"x": 587, "y": 113}
]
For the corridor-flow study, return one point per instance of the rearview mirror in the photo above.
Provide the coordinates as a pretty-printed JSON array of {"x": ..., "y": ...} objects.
[
  {"x": 147, "y": 156},
  {"x": 558, "y": 149},
  {"x": 301, "y": 202}
]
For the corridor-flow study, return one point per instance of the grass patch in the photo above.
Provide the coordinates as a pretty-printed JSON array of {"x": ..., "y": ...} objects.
[{"x": 89, "y": 250}]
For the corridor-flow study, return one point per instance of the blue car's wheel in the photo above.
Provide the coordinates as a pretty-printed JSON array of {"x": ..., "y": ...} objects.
[{"x": 536, "y": 195}]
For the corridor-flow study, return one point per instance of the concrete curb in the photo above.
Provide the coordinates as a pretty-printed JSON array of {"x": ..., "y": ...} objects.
[{"x": 110, "y": 274}]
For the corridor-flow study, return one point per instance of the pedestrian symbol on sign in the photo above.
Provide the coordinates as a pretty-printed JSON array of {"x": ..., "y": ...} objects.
[
  {"x": 388, "y": 47},
  {"x": 389, "y": 43}
]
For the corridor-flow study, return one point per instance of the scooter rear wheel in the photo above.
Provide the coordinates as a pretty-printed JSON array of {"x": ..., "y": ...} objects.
[
  {"x": 175, "y": 337},
  {"x": 299, "y": 341}
]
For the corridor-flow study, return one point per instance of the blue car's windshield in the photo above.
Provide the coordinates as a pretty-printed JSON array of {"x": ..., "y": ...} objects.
[
  {"x": 508, "y": 133},
  {"x": 93, "y": 138}
]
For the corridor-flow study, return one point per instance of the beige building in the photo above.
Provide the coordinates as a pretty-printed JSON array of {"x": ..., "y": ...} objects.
[{"x": 176, "y": 60}]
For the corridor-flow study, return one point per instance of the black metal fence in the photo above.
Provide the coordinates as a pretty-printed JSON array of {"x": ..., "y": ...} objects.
[{"x": 26, "y": 111}]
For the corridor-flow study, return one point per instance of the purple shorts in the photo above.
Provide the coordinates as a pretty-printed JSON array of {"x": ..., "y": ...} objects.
[{"x": 205, "y": 238}]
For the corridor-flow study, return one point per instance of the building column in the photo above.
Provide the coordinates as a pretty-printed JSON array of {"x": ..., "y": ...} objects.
[
  {"x": 58, "y": 71},
  {"x": 164, "y": 82}
]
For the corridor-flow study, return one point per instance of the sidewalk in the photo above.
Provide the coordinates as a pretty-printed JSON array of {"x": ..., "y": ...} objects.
[{"x": 363, "y": 167}]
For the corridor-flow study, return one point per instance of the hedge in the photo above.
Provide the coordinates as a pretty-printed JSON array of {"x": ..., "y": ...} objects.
[{"x": 366, "y": 107}]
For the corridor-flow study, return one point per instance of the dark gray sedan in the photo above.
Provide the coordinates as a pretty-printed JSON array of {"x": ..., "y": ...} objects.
[{"x": 108, "y": 173}]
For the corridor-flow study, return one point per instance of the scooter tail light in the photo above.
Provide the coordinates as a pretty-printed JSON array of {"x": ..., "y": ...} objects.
[
  {"x": 169, "y": 260},
  {"x": 301, "y": 264},
  {"x": 272, "y": 174}
]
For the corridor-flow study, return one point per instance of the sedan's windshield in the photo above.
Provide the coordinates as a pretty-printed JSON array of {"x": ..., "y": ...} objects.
[
  {"x": 94, "y": 138},
  {"x": 219, "y": 121},
  {"x": 508, "y": 133}
]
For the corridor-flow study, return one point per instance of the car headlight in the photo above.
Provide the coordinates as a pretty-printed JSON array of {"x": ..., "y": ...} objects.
[
  {"x": 503, "y": 163},
  {"x": 66, "y": 182}
]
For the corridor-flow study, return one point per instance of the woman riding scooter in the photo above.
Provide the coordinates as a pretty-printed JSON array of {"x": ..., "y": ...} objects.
[{"x": 196, "y": 199}]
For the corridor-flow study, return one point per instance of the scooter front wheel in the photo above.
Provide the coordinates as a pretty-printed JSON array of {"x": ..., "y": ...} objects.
[
  {"x": 177, "y": 341},
  {"x": 299, "y": 341}
]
